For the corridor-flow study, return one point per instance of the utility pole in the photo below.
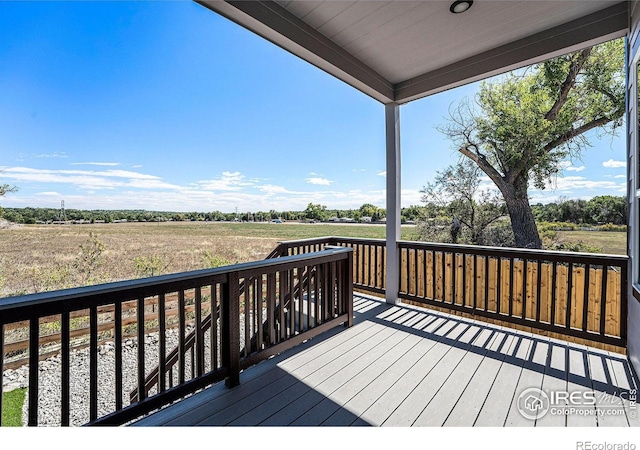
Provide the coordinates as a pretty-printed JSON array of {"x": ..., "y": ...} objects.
[{"x": 62, "y": 216}]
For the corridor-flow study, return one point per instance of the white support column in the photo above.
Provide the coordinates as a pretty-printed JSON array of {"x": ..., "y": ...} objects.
[{"x": 392, "y": 122}]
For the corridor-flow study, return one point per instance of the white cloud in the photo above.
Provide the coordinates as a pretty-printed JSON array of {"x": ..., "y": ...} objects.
[
  {"x": 52, "y": 155},
  {"x": 614, "y": 164},
  {"x": 568, "y": 165},
  {"x": 191, "y": 198},
  {"x": 229, "y": 181},
  {"x": 382, "y": 173},
  {"x": 411, "y": 197},
  {"x": 319, "y": 181},
  {"x": 270, "y": 189},
  {"x": 87, "y": 179},
  {"x": 95, "y": 164},
  {"x": 579, "y": 187}
]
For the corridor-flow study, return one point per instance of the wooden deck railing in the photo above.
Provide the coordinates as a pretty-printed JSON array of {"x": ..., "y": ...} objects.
[
  {"x": 573, "y": 294},
  {"x": 242, "y": 304},
  {"x": 280, "y": 250}
]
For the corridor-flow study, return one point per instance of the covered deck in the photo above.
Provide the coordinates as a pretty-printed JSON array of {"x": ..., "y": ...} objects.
[
  {"x": 394, "y": 364},
  {"x": 406, "y": 366}
]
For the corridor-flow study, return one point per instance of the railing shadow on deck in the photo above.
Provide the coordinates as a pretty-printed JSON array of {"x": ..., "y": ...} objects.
[
  {"x": 270, "y": 395},
  {"x": 448, "y": 329},
  {"x": 267, "y": 395}
]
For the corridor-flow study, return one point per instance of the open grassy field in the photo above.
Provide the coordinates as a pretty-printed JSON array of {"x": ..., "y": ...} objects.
[
  {"x": 36, "y": 258},
  {"x": 610, "y": 242}
]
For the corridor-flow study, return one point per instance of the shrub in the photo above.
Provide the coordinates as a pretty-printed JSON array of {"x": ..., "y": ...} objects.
[
  {"x": 51, "y": 278},
  {"x": 498, "y": 234},
  {"x": 568, "y": 246},
  {"x": 89, "y": 260},
  {"x": 211, "y": 260},
  {"x": 556, "y": 226},
  {"x": 612, "y": 227},
  {"x": 148, "y": 266}
]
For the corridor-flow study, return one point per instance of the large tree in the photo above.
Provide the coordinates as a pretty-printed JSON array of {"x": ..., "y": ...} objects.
[{"x": 524, "y": 124}]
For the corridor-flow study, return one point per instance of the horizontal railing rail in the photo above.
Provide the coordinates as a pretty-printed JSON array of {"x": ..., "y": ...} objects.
[
  {"x": 574, "y": 294},
  {"x": 220, "y": 353}
]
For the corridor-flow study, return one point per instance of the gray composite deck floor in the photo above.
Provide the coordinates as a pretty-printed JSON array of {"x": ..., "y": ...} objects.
[{"x": 407, "y": 366}]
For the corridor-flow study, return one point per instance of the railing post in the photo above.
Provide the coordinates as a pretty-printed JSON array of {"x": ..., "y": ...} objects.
[
  {"x": 348, "y": 288},
  {"x": 231, "y": 329},
  {"x": 34, "y": 349}
]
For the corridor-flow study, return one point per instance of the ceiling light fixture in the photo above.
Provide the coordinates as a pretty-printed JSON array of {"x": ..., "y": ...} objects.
[{"x": 460, "y": 6}]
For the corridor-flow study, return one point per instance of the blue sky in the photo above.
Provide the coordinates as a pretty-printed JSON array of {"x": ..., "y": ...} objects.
[{"x": 164, "y": 105}]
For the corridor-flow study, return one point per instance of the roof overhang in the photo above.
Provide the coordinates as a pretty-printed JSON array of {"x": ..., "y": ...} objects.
[{"x": 399, "y": 51}]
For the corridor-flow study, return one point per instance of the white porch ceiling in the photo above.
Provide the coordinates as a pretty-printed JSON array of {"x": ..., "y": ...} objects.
[{"x": 397, "y": 51}]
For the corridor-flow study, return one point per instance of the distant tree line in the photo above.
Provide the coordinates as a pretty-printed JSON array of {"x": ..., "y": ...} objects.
[
  {"x": 599, "y": 210},
  {"x": 317, "y": 212}
]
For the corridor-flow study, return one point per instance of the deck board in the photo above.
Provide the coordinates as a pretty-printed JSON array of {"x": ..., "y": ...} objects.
[
  {"x": 369, "y": 395},
  {"x": 625, "y": 383},
  {"x": 578, "y": 380},
  {"x": 496, "y": 407},
  {"x": 555, "y": 380},
  {"x": 605, "y": 389},
  {"x": 343, "y": 391},
  {"x": 530, "y": 377},
  {"x": 406, "y": 366},
  {"x": 412, "y": 406},
  {"x": 439, "y": 407},
  {"x": 468, "y": 405},
  {"x": 328, "y": 385},
  {"x": 378, "y": 412}
]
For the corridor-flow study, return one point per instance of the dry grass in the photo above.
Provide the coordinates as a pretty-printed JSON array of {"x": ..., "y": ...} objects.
[
  {"x": 37, "y": 258},
  {"x": 610, "y": 242}
]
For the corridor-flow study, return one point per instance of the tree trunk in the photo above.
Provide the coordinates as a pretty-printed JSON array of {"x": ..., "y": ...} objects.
[{"x": 523, "y": 223}]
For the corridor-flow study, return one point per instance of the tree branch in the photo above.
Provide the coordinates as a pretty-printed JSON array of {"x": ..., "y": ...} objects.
[
  {"x": 570, "y": 134},
  {"x": 567, "y": 84},
  {"x": 484, "y": 165}
]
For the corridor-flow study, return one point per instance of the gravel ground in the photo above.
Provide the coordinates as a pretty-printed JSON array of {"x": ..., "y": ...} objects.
[{"x": 50, "y": 379}]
